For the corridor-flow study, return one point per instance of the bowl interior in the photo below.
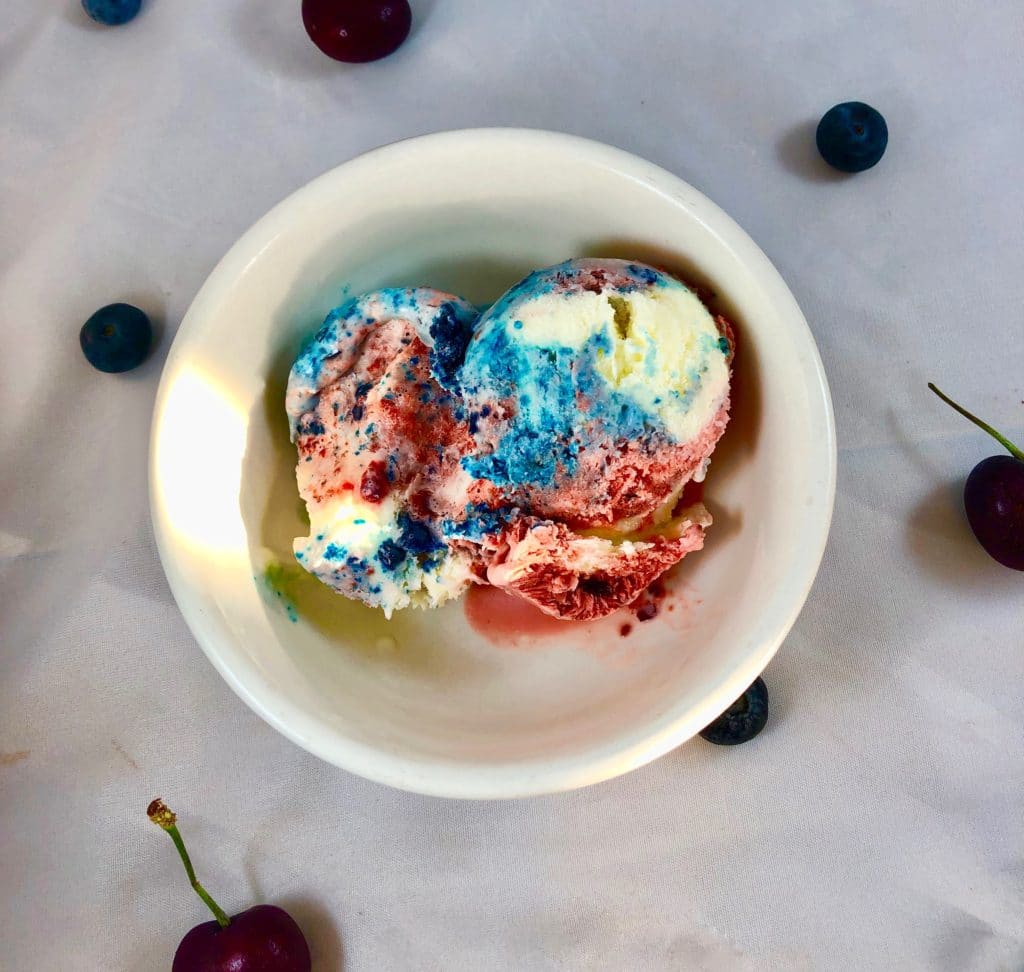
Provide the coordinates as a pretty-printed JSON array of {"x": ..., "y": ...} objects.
[{"x": 425, "y": 701}]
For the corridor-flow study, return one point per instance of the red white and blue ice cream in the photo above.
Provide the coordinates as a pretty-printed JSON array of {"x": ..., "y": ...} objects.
[{"x": 542, "y": 447}]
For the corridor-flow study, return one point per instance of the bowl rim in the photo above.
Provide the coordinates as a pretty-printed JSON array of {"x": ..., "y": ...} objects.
[{"x": 453, "y": 779}]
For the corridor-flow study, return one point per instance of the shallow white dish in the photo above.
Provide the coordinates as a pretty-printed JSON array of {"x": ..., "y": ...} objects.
[{"x": 424, "y": 702}]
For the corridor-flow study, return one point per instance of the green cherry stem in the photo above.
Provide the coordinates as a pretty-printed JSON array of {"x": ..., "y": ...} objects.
[
  {"x": 164, "y": 818},
  {"x": 1014, "y": 451}
]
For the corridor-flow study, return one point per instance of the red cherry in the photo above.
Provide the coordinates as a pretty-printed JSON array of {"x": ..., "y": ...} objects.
[
  {"x": 994, "y": 502},
  {"x": 994, "y": 496},
  {"x": 263, "y": 939},
  {"x": 357, "y": 31}
]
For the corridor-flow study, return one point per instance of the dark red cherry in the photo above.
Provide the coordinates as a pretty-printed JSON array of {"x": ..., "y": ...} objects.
[
  {"x": 994, "y": 496},
  {"x": 357, "y": 31}
]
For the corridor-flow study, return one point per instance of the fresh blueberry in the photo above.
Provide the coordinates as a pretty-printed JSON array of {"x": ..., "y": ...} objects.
[
  {"x": 743, "y": 720},
  {"x": 116, "y": 338},
  {"x": 416, "y": 536},
  {"x": 451, "y": 333},
  {"x": 112, "y": 12},
  {"x": 852, "y": 136},
  {"x": 390, "y": 554}
]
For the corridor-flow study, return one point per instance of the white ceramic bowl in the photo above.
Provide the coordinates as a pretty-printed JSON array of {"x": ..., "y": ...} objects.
[{"x": 423, "y": 702}]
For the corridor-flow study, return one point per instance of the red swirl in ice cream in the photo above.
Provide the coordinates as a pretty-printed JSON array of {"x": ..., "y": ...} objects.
[{"x": 380, "y": 441}]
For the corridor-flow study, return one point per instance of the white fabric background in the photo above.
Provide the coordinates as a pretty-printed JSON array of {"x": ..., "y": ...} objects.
[{"x": 877, "y": 823}]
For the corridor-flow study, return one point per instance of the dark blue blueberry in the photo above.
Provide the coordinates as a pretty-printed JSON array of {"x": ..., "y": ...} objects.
[
  {"x": 743, "y": 720},
  {"x": 313, "y": 427},
  {"x": 357, "y": 412},
  {"x": 416, "y": 536},
  {"x": 116, "y": 338},
  {"x": 451, "y": 334},
  {"x": 111, "y": 12},
  {"x": 390, "y": 554},
  {"x": 852, "y": 136}
]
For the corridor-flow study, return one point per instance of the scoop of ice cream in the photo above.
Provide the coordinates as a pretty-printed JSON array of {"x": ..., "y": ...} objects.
[
  {"x": 373, "y": 416},
  {"x": 543, "y": 448},
  {"x": 596, "y": 389},
  {"x": 580, "y": 577}
]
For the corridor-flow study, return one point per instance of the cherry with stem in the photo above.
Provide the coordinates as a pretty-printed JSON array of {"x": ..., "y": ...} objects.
[
  {"x": 163, "y": 817},
  {"x": 994, "y": 495},
  {"x": 263, "y": 939},
  {"x": 1014, "y": 451}
]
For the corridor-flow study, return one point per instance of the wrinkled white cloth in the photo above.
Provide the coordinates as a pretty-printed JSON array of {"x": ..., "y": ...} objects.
[{"x": 877, "y": 823}]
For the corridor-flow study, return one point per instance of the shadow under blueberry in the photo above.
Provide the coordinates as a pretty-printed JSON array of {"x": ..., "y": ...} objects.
[
  {"x": 76, "y": 15},
  {"x": 798, "y": 151}
]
